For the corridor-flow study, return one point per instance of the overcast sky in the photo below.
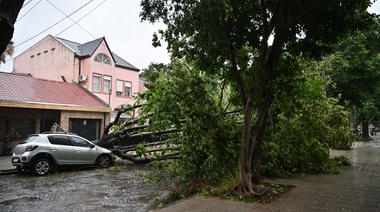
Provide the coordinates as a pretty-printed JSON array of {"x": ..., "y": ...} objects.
[{"x": 117, "y": 20}]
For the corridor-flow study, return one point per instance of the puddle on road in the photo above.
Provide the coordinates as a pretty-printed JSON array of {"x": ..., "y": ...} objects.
[{"x": 115, "y": 189}]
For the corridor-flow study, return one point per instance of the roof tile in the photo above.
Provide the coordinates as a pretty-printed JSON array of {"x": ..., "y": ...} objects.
[{"x": 20, "y": 88}]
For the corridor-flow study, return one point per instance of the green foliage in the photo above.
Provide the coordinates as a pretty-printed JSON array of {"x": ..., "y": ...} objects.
[
  {"x": 354, "y": 71},
  {"x": 305, "y": 125},
  {"x": 141, "y": 150},
  {"x": 232, "y": 39},
  {"x": 368, "y": 112},
  {"x": 207, "y": 140},
  {"x": 342, "y": 161},
  {"x": 116, "y": 128}
]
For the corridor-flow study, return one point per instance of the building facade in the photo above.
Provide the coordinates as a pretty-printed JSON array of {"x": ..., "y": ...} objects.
[
  {"x": 30, "y": 105},
  {"x": 93, "y": 65}
]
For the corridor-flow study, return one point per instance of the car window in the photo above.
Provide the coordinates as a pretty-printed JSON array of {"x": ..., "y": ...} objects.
[
  {"x": 29, "y": 139},
  {"x": 80, "y": 142},
  {"x": 59, "y": 140}
]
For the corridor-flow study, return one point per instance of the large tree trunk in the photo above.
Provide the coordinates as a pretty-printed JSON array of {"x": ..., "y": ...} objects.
[
  {"x": 245, "y": 185},
  {"x": 365, "y": 130},
  {"x": 252, "y": 139},
  {"x": 251, "y": 150},
  {"x": 267, "y": 71},
  {"x": 257, "y": 147},
  {"x": 9, "y": 8}
]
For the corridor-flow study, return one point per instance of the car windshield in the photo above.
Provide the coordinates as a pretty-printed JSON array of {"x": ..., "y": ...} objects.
[{"x": 29, "y": 139}]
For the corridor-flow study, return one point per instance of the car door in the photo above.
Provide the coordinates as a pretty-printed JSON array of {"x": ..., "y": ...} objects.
[
  {"x": 61, "y": 148},
  {"x": 84, "y": 151}
]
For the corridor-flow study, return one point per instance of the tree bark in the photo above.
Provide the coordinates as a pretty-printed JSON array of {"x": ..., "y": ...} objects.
[
  {"x": 365, "y": 130},
  {"x": 117, "y": 118},
  {"x": 249, "y": 163},
  {"x": 245, "y": 185},
  {"x": 259, "y": 130},
  {"x": 252, "y": 139}
]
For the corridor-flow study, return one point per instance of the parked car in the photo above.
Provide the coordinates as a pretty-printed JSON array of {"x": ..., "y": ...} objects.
[{"x": 39, "y": 153}]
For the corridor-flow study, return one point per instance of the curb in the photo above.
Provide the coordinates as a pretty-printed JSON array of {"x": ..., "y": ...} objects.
[{"x": 8, "y": 171}]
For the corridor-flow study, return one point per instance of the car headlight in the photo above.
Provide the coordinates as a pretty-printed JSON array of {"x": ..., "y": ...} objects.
[{"x": 31, "y": 147}]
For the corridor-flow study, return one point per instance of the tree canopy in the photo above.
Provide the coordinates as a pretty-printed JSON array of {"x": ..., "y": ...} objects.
[
  {"x": 244, "y": 42},
  {"x": 354, "y": 68}
]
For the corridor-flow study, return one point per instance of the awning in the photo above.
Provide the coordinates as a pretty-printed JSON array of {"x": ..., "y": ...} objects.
[{"x": 122, "y": 116}]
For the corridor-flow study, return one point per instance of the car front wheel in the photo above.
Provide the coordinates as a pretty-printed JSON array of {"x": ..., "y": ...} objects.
[
  {"x": 104, "y": 161},
  {"x": 41, "y": 167}
]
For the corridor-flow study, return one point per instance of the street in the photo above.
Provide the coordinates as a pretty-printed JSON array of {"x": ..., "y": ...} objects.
[{"x": 119, "y": 188}]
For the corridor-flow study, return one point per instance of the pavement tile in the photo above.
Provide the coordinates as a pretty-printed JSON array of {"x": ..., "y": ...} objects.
[{"x": 356, "y": 189}]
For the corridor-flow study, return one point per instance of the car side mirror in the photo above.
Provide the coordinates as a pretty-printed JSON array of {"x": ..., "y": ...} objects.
[{"x": 92, "y": 146}]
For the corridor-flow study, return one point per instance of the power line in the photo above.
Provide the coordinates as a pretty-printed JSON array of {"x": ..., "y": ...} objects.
[
  {"x": 48, "y": 27},
  {"x": 26, "y": 4},
  {"x": 54, "y": 24},
  {"x": 75, "y": 22},
  {"x": 28, "y": 10},
  {"x": 67, "y": 16}
]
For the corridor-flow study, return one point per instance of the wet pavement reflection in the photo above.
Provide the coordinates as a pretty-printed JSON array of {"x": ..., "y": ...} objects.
[{"x": 119, "y": 188}]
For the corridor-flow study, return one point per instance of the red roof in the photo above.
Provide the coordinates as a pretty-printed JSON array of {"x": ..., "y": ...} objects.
[{"x": 26, "y": 89}]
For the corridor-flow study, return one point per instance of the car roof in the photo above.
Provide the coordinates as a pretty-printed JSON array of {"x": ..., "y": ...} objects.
[{"x": 60, "y": 133}]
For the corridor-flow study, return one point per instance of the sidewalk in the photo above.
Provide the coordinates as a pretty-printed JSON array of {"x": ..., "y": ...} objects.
[
  {"x": 6, "y": 165},
  {"x": 357, "y": 188}
]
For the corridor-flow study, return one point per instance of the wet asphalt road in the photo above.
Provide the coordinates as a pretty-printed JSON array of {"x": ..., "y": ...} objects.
[{"x": 119, "y": 188}]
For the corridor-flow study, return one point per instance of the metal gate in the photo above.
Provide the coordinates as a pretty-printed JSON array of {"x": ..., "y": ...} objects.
[{"x": 87, "y": 128}]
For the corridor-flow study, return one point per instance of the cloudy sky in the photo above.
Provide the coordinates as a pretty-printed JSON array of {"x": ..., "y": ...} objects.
[
  {"x": 117, "y": 20},
  {"x": 85, "y": 20}
]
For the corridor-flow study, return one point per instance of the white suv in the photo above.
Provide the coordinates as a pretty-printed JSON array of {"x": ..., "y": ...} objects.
[{"x": 40, "y": 152}]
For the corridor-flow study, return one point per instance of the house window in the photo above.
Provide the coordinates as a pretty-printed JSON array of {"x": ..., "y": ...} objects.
[
  {"x": 102, "y": 58},
  {"x": 96, "y": 83},
  {"x": 119, "y": 88},
  {"x": 107, "y": 84},
  {"x": 128, "y": 87}
]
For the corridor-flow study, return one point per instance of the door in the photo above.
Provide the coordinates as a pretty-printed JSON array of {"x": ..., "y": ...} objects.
[
  {"x": 86, "y": 128},
  {"x": 61, "y": 148},
  {"x": 84, "y": 152}
]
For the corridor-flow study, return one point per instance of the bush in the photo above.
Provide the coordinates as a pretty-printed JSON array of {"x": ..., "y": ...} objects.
[{"x": 300, "y": 141}]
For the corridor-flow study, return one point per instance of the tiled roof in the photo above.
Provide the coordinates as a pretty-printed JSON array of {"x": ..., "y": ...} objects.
[
  {"x": 88, "y": 49},
  {"x": 27, "y": 89}
]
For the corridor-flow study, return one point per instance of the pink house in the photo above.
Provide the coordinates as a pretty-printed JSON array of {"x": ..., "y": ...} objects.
[
  {"x": 91, "y": 64},
  {"x": 31, "y": 105}
]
